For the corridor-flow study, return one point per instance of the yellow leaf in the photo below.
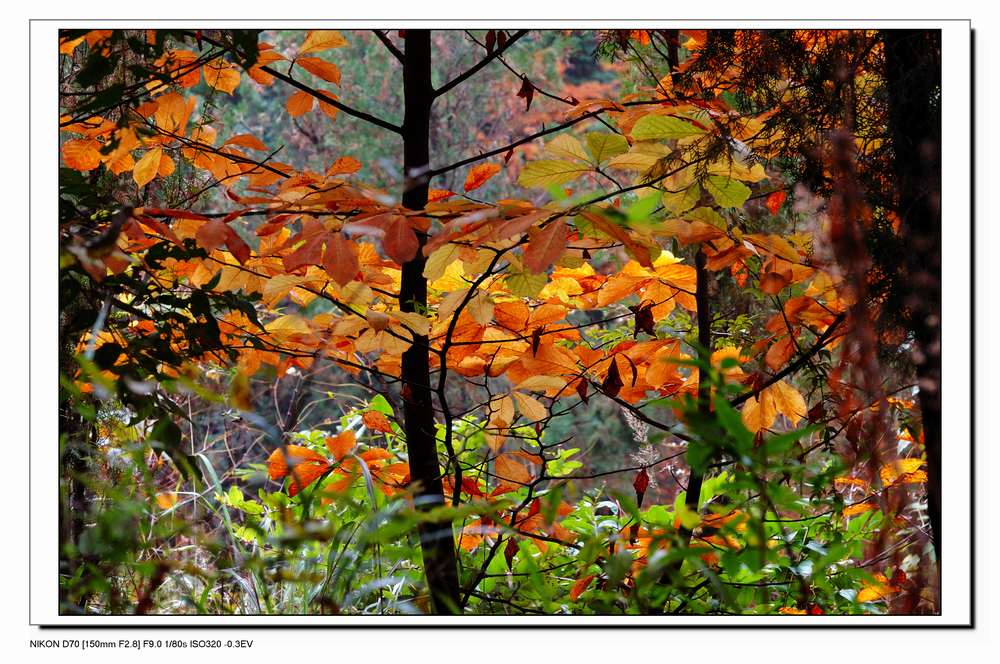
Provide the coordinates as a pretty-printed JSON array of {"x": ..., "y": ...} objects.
[
  {"x": 899, "y": 470},
  {"x": 439, "y": 260},
  {"x": 221, "y": 75},
  {"x": 147, "y": 167},
  {"x": 567, "y": 145},
  {"x": 547, "y": 172},
  {"x": 858, "y": 508},
  {"x": 759, "y": 415},
  {"x": 530, "y": 407},
  {"x": 167, "y": 499},
  {"x": 321, "y": 40},
  {"x": 541, "y": 384},
  {"x": 481, "y": 308},
  {"x": 788, "y": 401}
]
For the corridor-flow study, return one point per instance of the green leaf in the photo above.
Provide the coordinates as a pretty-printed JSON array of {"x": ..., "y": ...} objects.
[
  {"x": 708, "y": 215},
  {"x": 604, "y": 145},
  {"x": 727, "y": 192},
  {"x": 526, "y": 284},
  {"x": 635, "y": 160},
  {"x": 380, "y": 404},
  {"x": 681, "y": 201},
  {"x": 654, "y": 127},
  {"x": 546, "y": 172}
]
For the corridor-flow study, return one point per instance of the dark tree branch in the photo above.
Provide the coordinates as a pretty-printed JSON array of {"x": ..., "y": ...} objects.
[
  {"x": 322, "y": 96},
  {"x": 469, "y": 73},
  {"x": 382, "y": 37}
]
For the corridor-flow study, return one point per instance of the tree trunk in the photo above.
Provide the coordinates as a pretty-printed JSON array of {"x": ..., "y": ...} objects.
[
  {"x": 693, "y": 495},
  {"x": 437, "y": 541},
  {"x": 913, "y": 78}
]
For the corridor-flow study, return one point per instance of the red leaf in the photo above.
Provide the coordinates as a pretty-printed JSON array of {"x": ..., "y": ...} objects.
[
  {"x": 509, "y": 552},
  {"x": 775, "y": 200},
  {"x": 237, "y": 247},
  {"x": 772, "y": 283},
  {"x": 400, "y": 242},
  {"x": 640, "y": 484},
  {"x": 309, "y": 253},
  {"x": 211, "y": 235}
]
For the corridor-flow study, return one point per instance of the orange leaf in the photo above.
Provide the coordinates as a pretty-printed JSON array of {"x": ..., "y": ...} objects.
[
  {"x": 343, "y": 165},
  {"x": 376, "y": 421},
  {"x": 857, "y": 508},
  {"x": 902, "y": 471},
  {"x": 779, "y": 353},
  {"x": 320, "y": 67},
  {"x": 511, "y": 472},
  {"x": 479, "y": 175},
  {"x": 341, "y": 444},
  {"x": 166, "y": 500},
  {"x": 222, "y": 76},
  {"x": 299, "y": 103},
  {"x": 580, "y": 586},
  {"x": 247, "y": 141},
  {"x": 435, "y": 195},
  {"x": 304, "y": 464},
  {"x": 82, "y": 154}
]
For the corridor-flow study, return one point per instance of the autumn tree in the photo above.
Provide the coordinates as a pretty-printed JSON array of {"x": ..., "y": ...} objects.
[{"x": 692, "y": 251}]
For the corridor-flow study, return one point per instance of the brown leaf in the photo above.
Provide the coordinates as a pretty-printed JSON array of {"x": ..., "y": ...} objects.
[
  {"x": 545, "y": 247},
  {"x": 612, "y": 384},
  {"x": 527, "y": 92},
  {"x": 772, "y": 283},
  {"x": 212, "y": 234},
  {"x": 643, "y": 319}
]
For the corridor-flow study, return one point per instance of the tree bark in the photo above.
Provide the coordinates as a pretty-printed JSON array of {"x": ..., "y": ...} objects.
[
  {"x": 913, "y": 78},
  {"x": 437, "y": 541},
  {"x": 693, "y": 495}
]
